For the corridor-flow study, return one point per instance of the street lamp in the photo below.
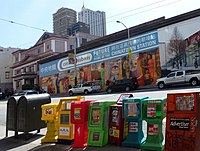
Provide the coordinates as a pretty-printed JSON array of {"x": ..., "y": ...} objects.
[
  {"x": 127, "y": 30},
  {"x": 129, "y": 47}
]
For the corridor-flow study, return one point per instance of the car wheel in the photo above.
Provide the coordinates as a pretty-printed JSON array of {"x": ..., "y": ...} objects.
[
  {"x": 109, "y": 90},
  {"x": 194, "y": 82},
  {"x": 71, "y": 93},
  {"x": 86, "y": 92},
  {"x": 161, "y": 85},
  {"x": 127, "y": 88}
]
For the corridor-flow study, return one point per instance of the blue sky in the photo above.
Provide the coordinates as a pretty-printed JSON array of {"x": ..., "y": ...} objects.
[{"x": 38, "y": 13}]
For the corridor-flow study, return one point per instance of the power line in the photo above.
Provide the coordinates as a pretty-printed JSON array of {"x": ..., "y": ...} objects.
[
  {"x": 136, "y": 9},
  {"x": 138, "y": 12},
  {"x": 107, "y": 17},
  {"x": 10, "y": 21},
  {"x": 145, "y": 10}
]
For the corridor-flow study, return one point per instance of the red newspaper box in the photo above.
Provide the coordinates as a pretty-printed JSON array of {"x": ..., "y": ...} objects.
[
  {"x": 79, "y": 117},
  {"x": 118, "y": 127},
  {"x": 182, "y": 123}
]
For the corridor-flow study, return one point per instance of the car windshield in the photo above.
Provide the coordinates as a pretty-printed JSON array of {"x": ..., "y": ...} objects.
[
  {"x": 25, "y": 93},
  {"x": 19, "y": 93}
]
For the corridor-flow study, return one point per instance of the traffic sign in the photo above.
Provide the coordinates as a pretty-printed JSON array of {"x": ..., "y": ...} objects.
[{"x": 129, "y": 51}]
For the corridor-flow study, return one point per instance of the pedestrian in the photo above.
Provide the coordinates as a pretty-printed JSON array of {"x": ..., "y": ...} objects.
[
  {"x": 195, "y": 63},
  {"x": 180, "y": 63}
]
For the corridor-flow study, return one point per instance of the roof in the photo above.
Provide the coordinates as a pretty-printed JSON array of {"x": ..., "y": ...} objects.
[{"x": 134, "y": 31}]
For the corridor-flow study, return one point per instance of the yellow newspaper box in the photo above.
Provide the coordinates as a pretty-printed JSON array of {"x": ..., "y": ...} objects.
[
  {"x": 65, "y": 127},
  {"x": 49, "y": 115}
]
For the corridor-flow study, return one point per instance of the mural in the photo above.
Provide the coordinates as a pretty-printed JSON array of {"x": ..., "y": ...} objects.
[
  {"x": 106, "y": 64},
  {"x": 183, "y": 53},
  {"x": 144, "y": 65},
  {"x": 148, "y": 67}
]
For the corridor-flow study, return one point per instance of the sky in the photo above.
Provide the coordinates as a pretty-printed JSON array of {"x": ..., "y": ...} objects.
[{"x": 22, "y": 22}]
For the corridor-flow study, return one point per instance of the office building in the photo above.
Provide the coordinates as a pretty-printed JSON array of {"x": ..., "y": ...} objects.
[
  {"x": 62, "y": 20},
  {"x": 95, "y": 19}
]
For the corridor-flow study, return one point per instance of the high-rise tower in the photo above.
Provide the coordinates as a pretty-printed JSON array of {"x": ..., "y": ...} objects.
[
  {"x": 62, "y": 20},
  {"x": 95, "y": 19}
]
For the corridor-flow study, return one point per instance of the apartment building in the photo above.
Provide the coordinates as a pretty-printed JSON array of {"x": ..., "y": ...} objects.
[
  {"x": 5, "y": 68},
  {"x": 25, "y": 61}
]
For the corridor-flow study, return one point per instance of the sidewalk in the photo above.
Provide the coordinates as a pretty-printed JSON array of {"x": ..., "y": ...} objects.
[{"x": 34, "y": 143}]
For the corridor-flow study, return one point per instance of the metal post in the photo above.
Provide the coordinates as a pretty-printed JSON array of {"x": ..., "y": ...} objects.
[{"x": 75, "y": 71}]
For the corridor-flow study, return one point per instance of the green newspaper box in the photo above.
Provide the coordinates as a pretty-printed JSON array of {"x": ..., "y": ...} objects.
[
  {"x": 98, "y": 123},
  {"x": 153, "y": 112}
]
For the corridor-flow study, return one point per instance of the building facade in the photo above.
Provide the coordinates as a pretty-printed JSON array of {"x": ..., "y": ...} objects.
[
  {"x": 79, "y": 27},
  {"x": 62, "y": 20},
  {"x": 25, "y": 61},
  {"x": 6, "y": 60},
  {"x": 95, "y": 19},
  {"x": 158, "y": 47}
]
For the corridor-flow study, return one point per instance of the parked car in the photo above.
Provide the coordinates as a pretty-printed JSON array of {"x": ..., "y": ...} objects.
[
  {"x": 122, "y": 85},
  {"x": 25, "y": 92},
  {"x": 85, "y": 88},
  {"x": 2, "y": 95},
  {"x": 179, "y": 77}
]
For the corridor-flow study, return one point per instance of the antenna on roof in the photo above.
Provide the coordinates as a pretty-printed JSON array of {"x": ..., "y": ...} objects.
[{"x": 83, "y": 4}]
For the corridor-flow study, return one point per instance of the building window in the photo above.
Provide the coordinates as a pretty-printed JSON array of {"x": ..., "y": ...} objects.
[
  {"x": 71, "y": 47},
  {"x": 84, "y": 40},
  {"x": 16, "y": 58},
  {"x": 7, "y": 75},
  {"x": 39, "y": 50},
  {"x": 48, "y": 47}
]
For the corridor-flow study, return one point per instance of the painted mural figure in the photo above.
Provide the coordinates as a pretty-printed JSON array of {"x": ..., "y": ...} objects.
[
  {"x": 157, "y": 60},
  {"x": 126, "y": 67},
  {"x": 82, "y": 75},
  {"x": 144, "y": 63},
  {"x": 147, "y": 78},
  {"x": 102, "y": 79},
  {"x": 114, "y": 71},
  {"x": 50, "y": 86},
  {"x": 57, "y": 83},
  {"x": 151, "y": 67},
  {"x": 95, "y": 74}
]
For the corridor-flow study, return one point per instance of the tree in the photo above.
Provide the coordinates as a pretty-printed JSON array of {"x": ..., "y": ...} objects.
[{"x": 177, "y": 45}]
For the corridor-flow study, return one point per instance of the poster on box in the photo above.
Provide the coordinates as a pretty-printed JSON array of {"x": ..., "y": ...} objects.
[
  {"x": 115, "y": 116},
  {"x": 77, "y": 113},
  {"x": 151, "y": 110},
  {"x": 185, "y": 103},
  {"x": 48, "y": 111},
  {"x": 64, "y": 131},
  {"x": 96, "y": 136},
  {"x": 133, "y": 127},
  {"x": 96, "y": 113},
  {"x": 132, "y": 109},
  {"x": 153, "y": 129},
  {"x": 179, "y": 123}
]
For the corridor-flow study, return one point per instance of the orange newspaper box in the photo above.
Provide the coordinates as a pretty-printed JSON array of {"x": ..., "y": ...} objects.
[{"x": 182, "y": 123}]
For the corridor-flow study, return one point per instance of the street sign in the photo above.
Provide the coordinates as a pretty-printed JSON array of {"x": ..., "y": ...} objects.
[
  {"x": 71, "y": 58},
  {"x": 129, "y": 51}
]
